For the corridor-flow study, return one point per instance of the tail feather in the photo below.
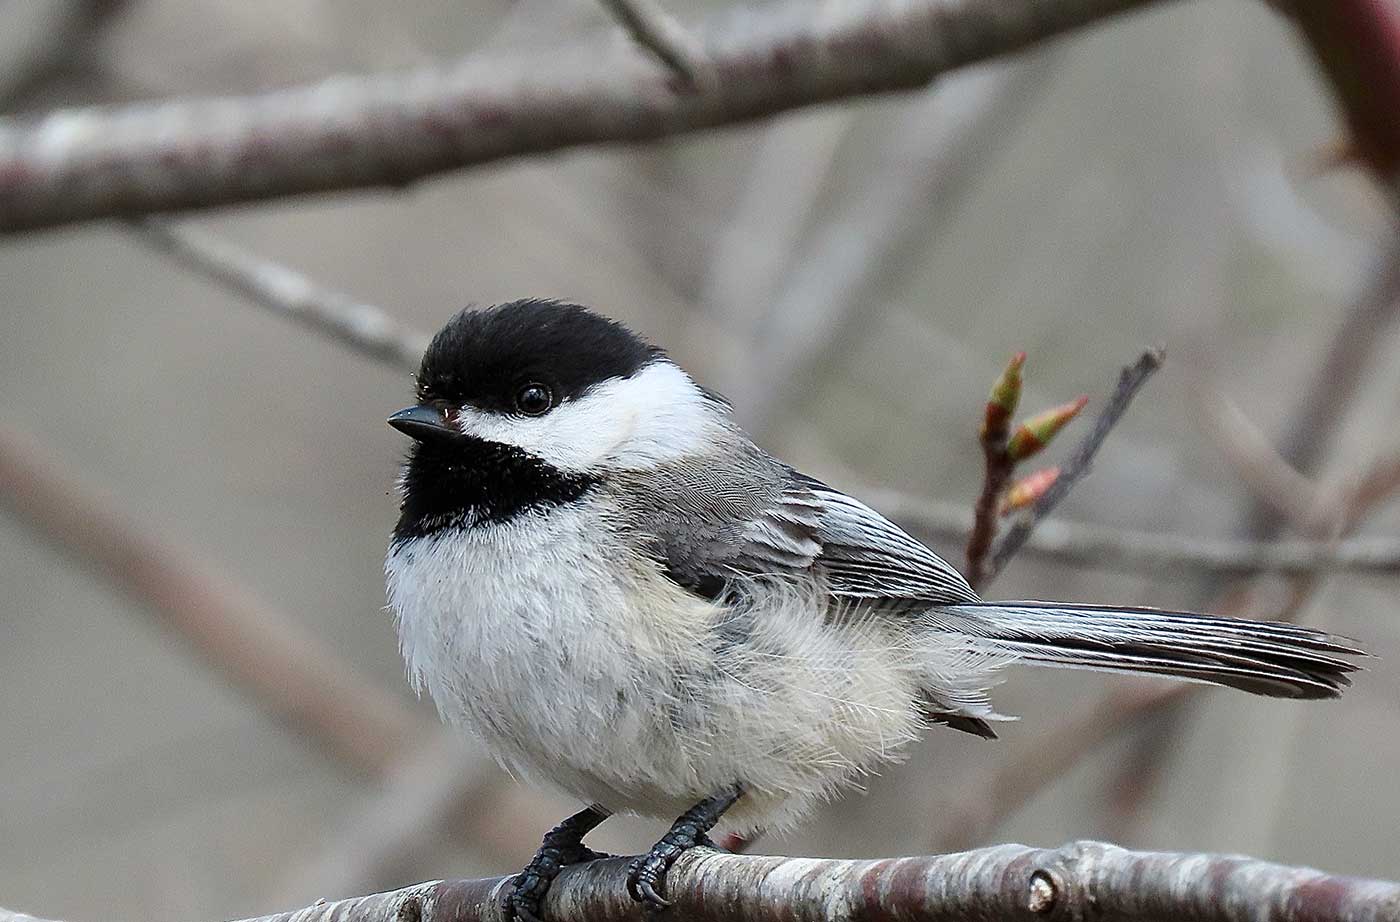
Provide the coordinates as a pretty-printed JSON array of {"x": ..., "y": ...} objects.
[{"x": 1263, "y": 657}]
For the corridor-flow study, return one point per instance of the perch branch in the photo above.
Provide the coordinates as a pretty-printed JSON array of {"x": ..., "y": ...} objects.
[
  {"x": 1078, "y": 881},
  {"x": 1130, "y": 381},
  {"x": 394, "y": 129}
]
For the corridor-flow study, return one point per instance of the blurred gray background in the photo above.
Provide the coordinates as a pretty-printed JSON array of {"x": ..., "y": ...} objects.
[{"x": 853, "y": 276}]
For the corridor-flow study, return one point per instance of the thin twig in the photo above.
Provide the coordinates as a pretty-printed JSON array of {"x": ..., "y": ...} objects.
[
  {"x": 394, "y": 129},
  {"x": 1132, "y": 378},
  {"x": 663, "y": 35},
  {"x": 366, "y": 328},
  {"x": 1092, "y": 546},
  {"x": 1077, "y": 881}
]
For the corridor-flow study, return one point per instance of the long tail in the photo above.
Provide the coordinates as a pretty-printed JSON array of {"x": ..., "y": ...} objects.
[{"x": 1263, "y": 657}]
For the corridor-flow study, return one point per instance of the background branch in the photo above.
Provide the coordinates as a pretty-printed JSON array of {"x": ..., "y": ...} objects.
[
  {"x": 394, "y": 129},
  {"x": 662, "y": 34},
  {"x": 258, "y": 649}
]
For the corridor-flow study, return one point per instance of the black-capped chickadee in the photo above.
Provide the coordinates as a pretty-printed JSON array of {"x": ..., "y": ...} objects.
[{"x": 600, "y": 574}]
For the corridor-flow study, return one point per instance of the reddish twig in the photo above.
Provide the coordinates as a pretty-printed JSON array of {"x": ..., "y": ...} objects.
[
  {"x": 1130, "y": 381},
  {"x": 997, "y": 467}
]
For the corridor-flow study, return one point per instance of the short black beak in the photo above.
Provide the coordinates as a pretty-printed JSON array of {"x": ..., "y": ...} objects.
[{"x": 426, "y": 424}]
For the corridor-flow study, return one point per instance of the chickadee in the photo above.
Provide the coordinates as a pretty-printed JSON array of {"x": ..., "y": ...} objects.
[{"x": 602, "y": 576}]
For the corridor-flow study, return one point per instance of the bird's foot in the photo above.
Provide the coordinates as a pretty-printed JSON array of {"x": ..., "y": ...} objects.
[
  {"x": 526, "y": 894},
  {"x": 562, "y": 847},
  {"x": 646, "y": 875}
]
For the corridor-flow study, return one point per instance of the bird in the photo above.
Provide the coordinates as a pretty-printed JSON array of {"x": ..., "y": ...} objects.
[{"x": 600, "y": 575}]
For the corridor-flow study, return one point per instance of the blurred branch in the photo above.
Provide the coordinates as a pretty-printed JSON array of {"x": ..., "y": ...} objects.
[
  {"x": 1077, "y": 881},
  {"x": 38, "y": 37},
  {"x": 255, "y": 647},
  {"x": 1319, "y": 415},
  {"x": 1273, "y": 483},
  {"x": 662, "y": 34},
  {"x": 365, "y": 328},
  {"x": 973, "y": 809},
  {"x": 1284, "y": 495},
  {"x": 1357, "y": 45},
  {"x": 390, "y": 130},
  {"x": 933, "y": 151},
  {"x": 1132, "y": 378},
  {"x": 384, "y": 839}
]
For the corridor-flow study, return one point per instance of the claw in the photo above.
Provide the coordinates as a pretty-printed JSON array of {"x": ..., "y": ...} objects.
[
  {"x": 647, "y": 872},
  {"x": 642, "y": 878}
]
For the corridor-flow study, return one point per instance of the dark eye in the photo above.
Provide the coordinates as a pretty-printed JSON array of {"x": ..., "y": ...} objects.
[{"x": 533, "y": 399}]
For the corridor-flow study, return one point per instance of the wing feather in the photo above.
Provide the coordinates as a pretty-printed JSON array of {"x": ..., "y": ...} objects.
[{"x": 707, "y": 533}]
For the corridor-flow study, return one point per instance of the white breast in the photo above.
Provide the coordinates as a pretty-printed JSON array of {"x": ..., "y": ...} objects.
[
  {"x": 544, "y": 638},
  {"x": 580, "y": 664}
]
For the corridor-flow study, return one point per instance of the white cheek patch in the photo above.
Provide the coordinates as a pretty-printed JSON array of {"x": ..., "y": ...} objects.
[{"x": 654, "y": 416}]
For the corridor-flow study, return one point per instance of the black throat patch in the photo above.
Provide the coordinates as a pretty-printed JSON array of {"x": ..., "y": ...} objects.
[{"x": 475, "y": 483}]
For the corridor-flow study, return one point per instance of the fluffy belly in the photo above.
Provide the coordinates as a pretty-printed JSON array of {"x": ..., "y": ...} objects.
[{"x": 586, "y": 668}]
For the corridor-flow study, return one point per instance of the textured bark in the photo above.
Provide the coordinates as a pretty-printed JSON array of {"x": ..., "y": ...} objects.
[
  {"x": 390, "y": 130},
  {"x": 1084, "y": 880}
]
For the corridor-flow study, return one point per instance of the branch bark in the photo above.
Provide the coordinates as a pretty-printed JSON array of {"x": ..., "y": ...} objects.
[
  {"x": 1082, "y": 880},
  {"x": 391, "y": 130}
]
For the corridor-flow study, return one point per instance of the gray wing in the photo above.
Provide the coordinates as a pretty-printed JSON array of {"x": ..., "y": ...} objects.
[
  {"x": 866, "y": 556},
  {"x": 785, "y": 523}
]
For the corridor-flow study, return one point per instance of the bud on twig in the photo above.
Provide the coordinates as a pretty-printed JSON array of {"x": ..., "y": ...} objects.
[
  {"x": 1035, "y": 433},
  {"x": 1005, "y": 396},
  {"x": 1028, "y": 489}
]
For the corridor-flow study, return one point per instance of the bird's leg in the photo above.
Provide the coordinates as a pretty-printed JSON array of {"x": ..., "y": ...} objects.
[
  {"x": 562, "y": 846},
  {"x": 646, "y": 877}
]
